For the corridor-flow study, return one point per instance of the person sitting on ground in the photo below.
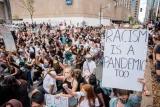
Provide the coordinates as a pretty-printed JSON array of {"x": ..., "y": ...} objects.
[
  {"x": 49, "y": 83},
  {"x": 89, "y": 67},
  {"x": 12, "y": 88},
  {"x": 125, "y": 99},
  {"x": 67, "y": 78},
  {"x": 37, "y": 99},
  {"x": 13, "y": 103},
  {"x": 80, "y": 79},
  {"x": 103, "y": 99},
  {"x": 86, "y": 97}
]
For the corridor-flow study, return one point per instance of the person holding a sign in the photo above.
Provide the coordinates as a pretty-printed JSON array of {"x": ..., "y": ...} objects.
[{"x": 125, "y": 100}]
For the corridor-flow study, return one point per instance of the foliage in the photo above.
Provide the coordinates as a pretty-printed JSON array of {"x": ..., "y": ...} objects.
[{"x": 28, "y": 5}]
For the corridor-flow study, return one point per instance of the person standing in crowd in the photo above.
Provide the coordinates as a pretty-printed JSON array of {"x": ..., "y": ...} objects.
[{"x": 89, "y": 67}]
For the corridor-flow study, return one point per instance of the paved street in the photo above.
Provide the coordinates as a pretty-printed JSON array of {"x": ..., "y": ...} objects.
[{"x": 147, "y": 101}]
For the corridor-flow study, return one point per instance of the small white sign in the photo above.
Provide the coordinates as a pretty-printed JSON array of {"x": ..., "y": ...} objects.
[
  {"x": 8, "y": 39},
  {"x": 56, "y": 101}
]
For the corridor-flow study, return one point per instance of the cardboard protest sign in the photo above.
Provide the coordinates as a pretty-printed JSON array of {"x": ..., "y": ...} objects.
[
  {"x": 56, "y": 101},
  {"x": 124, "y": 58},
  {"x": 8, "y": 39},
  {"x": 59, "y": 101}
]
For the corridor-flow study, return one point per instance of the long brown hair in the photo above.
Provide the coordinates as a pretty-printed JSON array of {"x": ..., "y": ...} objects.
[{"x": 90, "y": 94}]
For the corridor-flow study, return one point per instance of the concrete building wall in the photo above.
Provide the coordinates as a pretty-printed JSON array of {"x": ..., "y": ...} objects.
[
  {"x": 82, "y": 9},
  {"x": 5, "y": 12},
  {"x": 2, "y": 15}
]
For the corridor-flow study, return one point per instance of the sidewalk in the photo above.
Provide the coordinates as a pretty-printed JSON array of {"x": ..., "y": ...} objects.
[{"x": 147, "y": 101}]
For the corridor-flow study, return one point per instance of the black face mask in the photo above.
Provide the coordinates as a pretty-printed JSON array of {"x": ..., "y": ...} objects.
[{"x": 123, "y": 101}]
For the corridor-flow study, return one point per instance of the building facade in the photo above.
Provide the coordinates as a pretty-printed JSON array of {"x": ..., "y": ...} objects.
[
  {"x": 151, "y": 11},
  {"x": 5, "y": 11},
  {"x": 135, "y": 4},
  {"x": 156, "y": 9},
  {"x": 73, "y": 11}
]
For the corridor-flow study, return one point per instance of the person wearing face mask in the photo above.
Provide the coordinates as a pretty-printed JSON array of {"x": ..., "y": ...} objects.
[
  {"x": 86, "y": 97},
  {"x": 68, "y": 78},
  {"x": 89, "y": 67},
  {"x": 125, "y": 100}
]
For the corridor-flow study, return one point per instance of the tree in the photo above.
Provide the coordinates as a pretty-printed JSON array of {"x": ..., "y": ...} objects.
[
  {"x": 130, "y": 18},
  {"x": 28, "y": 5}
]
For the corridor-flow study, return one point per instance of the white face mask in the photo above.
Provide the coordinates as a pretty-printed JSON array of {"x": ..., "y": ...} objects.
[
  {"x": 88, "y": 60},
  {"x": 83, "y": 94}
]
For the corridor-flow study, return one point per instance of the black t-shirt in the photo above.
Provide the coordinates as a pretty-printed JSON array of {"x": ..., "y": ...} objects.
[
  {"x": 69, "y": 85},
  {"x": 80, "y": 80},
  {"x": 97, "y": 90}
]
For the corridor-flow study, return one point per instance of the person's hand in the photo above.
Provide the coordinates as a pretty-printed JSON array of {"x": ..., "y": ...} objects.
[
  {"x": 65, "y": 86},
  {"x": 145, "y": 91},
  {"x": 142, "y": 81}
]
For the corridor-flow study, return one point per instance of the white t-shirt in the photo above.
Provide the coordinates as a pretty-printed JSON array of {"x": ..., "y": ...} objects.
[
  {"x": 84, "y": 102},
  {"x": 89, "y": 66},
  {"x": 31, "y": 49},
  {"x": 37, "y": 49},
  {"x": 86, "y": 45},
  {"x": 49, "y": 81},
  {"x": 94, "y": 51}
]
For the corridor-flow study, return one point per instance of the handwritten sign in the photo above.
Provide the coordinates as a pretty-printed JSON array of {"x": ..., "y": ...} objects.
[
  {"x": 124, "y": 58},
  {"x": 59, "y": 101},
  {"x": 8, "y": 39}
]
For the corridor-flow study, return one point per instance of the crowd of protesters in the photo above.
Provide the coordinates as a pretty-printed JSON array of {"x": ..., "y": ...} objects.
[{"x": 61, "y": 60}]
